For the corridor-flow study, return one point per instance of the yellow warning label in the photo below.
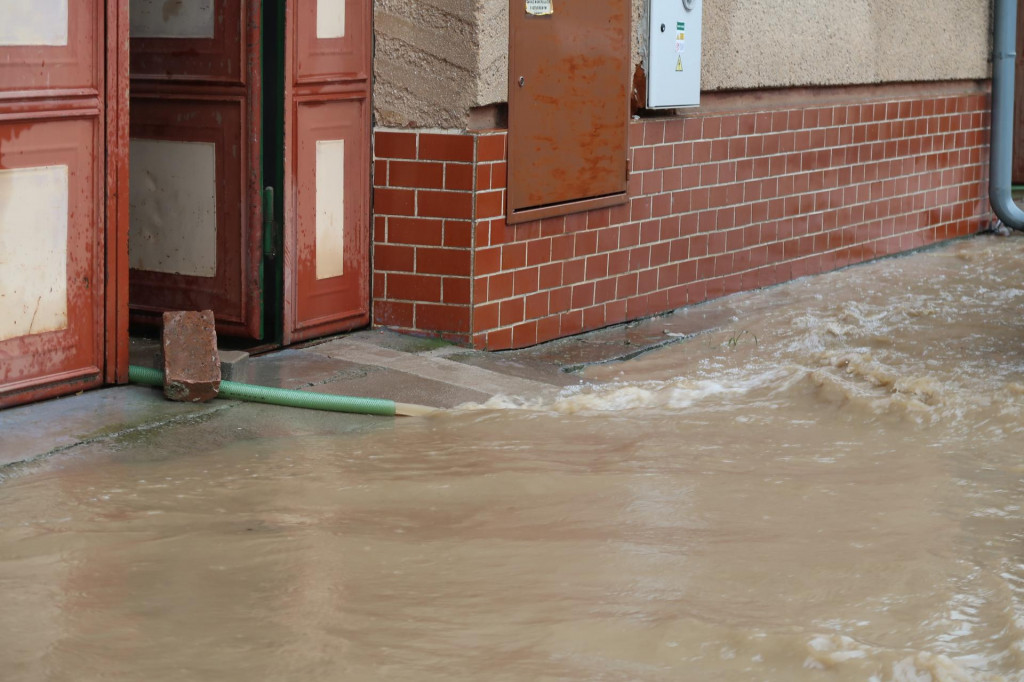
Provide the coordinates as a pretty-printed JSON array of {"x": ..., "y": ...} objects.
[{"x": 679, "y": 64}]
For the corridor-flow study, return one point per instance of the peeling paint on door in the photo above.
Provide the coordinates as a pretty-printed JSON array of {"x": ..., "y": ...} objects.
[
  {"x": 330, "y": 208},
  {"x": 33, "y": 22},
  {"x": 33, "y": 251},
  {"x": 171, "y": 18},
  {"x": 173, "y": 207}
]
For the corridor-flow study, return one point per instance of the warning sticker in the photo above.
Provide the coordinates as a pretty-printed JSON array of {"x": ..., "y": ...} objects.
[{"x": 539, "y": 8}]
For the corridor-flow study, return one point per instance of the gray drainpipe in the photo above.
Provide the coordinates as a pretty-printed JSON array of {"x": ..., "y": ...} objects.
[{"x": 1004, "y": 53}]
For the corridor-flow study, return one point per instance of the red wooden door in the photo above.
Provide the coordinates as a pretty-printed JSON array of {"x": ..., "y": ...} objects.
[
  {"x": 196, "y": 214},
  {"x": 327, "y": 165},
  {"x": 52, "y": 195}
]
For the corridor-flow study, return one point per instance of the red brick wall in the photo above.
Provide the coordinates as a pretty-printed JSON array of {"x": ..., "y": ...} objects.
[{"x": 718, "y": 203}]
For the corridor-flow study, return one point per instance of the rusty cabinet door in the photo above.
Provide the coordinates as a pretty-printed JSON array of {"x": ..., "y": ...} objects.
[
  {"x": 52, "y": 196},
  {"x": 196, "y": 214},
  {"x": 569, "y": 87},
  {"x": 326, "y": 166}
]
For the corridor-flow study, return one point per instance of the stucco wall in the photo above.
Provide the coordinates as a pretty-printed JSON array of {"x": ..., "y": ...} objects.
[
  {"x": 778, "y": 43},
  {"x": 437, "y": 59}
]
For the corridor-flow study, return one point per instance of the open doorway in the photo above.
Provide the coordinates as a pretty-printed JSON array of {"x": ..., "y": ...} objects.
[{"x": 249, "y": 166}]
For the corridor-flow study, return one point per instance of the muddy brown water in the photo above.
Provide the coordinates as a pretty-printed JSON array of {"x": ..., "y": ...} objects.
[{"x": 827, "y": 487}]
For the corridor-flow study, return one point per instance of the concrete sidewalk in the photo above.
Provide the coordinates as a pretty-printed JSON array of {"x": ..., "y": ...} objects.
[{"x": 369, "y": 363}]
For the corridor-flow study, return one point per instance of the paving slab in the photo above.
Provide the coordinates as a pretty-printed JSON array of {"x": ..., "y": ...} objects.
[{"x": 32, "y": 431}]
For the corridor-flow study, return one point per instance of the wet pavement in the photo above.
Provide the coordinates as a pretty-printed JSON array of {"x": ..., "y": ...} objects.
[{"x": 371, "y": 363}]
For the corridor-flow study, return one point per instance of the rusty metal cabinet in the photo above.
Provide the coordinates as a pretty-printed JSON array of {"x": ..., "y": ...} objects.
[{"x": 569, "y": 90}]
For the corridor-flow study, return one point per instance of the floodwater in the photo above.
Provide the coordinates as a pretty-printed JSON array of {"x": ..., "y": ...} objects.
[{"x": 827, "y": 487}]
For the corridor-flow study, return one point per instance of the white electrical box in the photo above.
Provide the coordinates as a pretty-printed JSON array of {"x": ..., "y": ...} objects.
[{"x": 673, "y": 60}]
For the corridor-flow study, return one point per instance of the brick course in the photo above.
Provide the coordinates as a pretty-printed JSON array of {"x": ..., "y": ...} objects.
[{"x": 718, "y": 203}]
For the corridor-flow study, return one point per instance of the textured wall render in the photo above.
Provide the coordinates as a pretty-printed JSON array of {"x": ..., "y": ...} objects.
[{"x": 436, "y": 59}]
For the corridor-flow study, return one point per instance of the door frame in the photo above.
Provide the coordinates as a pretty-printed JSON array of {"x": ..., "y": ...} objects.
[
  {"x": 280, "y": 326},
  {"x": 117, "y": 84}
]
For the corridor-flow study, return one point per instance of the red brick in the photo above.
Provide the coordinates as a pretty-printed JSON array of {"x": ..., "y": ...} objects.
[
  {"x": 416, "y": 174},
  {"x": 525, "y": 281},
  {"x": 394, "y": 201},
  {"x": 536, "y": 306},
  {"x": 380, "y": 173},
  {"x": 456, "y": 290},
  {"x": 413, "y": 287},
  {"x": 442, "y": 318},
  {"x": 487, "y": 261},
  {"x": 499, "y": 175},
  {"x": 490, "y": 148},
  {"x": 438, "y": 261},
  {"x": 548, "y": 328},
  {"x": 414, "y": 231},
  {"x": 560, "y": 300},
  {"x": 440, "y": 147},
  {"x": 393, "y": 314},
  {"x": 573, "y": 271},
  {"x": 583, "y": 295},
  {"x": 604, "y": 291},
  {"x": 483, "y": 177},
  {"x": 636, "y": 133},
  {"x": 654, "y": 133},
  {"x": 499, "y": 286},
  {"x": 459, "y": 234},
  {"x": 571, "y": 322},
  {"x": 442, "y": 204},
  {"x": 394, "y": 145},
  {"x": 458, "y": 176},
  {"x": 597, "y": 266},
  {"x": 549, "y": 275},
  {"x": 490, "y": 204},
  {"x": 485, "y": 317},
  {"x": 511, "y": 312},
  {"x": 538, "y": 251},
  {"x": 513, "y": 256},
  {"x": 524, "y": 335},
  {"x": 394, "y": 258},
  {"x": 712, "y": 127},
  {"x": 593, "y": 318}
]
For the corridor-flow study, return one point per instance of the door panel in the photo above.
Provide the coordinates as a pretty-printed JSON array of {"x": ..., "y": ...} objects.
[
  {"x": 335, "y": 41},
  {"x": 196, "y": 215},
  {"x": 202, "y": 41},
  {"x": 52, "y": 242},
  {"x": 51, "y": 45},
  {"x": 327, "y": 162},
  {"x": 331, "y": 253},
  {"x": 188, "y": 161}
]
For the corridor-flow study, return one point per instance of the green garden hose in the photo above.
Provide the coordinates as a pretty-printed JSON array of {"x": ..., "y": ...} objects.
[{"x": 291, "y": 398}]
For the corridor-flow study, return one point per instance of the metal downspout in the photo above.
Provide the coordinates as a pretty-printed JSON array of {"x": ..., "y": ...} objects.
[{"x": 1004, "y": 53}]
